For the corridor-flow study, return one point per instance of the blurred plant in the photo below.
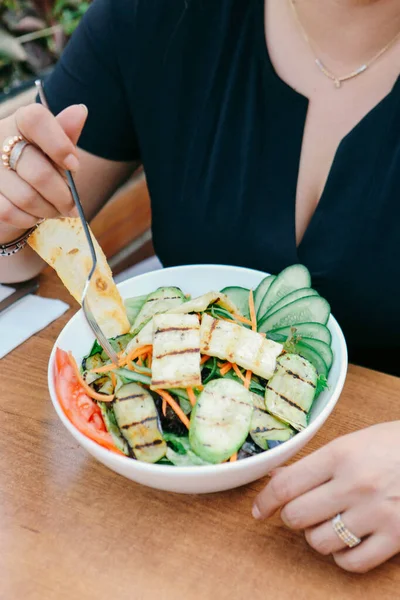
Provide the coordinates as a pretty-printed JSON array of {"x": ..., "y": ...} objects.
[
  {"x": 33, "y": 34},
  {"x": 69, "y": 13}
]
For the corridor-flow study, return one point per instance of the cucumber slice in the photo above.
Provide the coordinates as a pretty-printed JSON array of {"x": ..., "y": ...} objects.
[
  {"x": 129, "y": 375},
  {"x": 296, "y": 295},
  {"x": 321, "y": 348},
  {"x": 305, "y": 346},
  {"x": 240, "y": 298},
  {"x": 313, "y": 357},
  {"x": 220, "y": 420},
  {"x": 310, "y": 330},
  {"x": 261, "y": 291},
  {"x": 318, "y": 353},
  {"x": 291, "y": 391},
  {"x": 310, "y": 308},
  {"x": 137, "y": 419},
  {"x": 292, "y": 278}
]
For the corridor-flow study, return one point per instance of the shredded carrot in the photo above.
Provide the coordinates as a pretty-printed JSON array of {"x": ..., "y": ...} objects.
[
  {"x": 226, "y": 367},
  {"x": 241, "y": 319},
  {"x": 149, "y": 360},
  {"x": 192, "y": 396},
  {"x": 200, "y": 387},
  {"x": 135, "y": 353},
  {"x": 252, "y": 311},
  {"x": 90, "y": 392},
  {"x": 164, "y": 407},
  {"x": 104, "y": 368},
  {"x": 233, "y": 458},
  {"x": 204, "y": 359},
  {"x": 174, "y": 405},
  {"x": 239, "y": 373},
  {"x": 113, "y": 379},
  {"x": 248, "y": 379}
]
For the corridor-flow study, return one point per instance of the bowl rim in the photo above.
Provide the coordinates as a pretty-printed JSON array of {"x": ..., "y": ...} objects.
[{"x": 193, "y": 469}]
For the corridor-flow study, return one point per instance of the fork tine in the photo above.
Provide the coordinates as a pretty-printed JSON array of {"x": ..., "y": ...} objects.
[{"x": 99, "y": 335}]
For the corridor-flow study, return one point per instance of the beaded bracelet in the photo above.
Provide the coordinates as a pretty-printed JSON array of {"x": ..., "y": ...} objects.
[{"x": 15, "y": 246}]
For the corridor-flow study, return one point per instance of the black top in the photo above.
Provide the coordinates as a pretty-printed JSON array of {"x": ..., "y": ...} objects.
[{"x": 188, "y": 88}]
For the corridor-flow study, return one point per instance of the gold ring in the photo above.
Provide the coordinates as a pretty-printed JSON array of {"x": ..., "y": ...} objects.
[
  {"x": 16, "y": 153},
  {"x": 343, "y": 533},
  {"x": 7, "y": 149}
]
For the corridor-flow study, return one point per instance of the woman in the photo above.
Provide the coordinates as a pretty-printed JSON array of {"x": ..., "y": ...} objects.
[{"x": 269, "y": 133}]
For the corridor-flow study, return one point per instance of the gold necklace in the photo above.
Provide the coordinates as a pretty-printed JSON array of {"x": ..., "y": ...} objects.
[{"x": 339, "y": 80}]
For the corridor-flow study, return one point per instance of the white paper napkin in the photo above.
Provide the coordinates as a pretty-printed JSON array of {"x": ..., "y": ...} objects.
[{"x": 25, "y": 318}]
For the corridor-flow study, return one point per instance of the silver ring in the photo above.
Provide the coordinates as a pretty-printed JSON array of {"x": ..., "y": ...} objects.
[
  {"x": 347, "y": 537},
  {"x": 16, "y": 153}
]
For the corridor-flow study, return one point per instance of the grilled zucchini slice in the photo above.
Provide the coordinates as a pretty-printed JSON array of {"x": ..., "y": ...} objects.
[
  {"x": 290, "y": 392},
  {"x": 160, "y": 301},
  {"x": 265, "y": 428},
  {"x": 107, "y": 412},
  {"x": 137, "y": 419},
  {"x": 220, "y": 420}
]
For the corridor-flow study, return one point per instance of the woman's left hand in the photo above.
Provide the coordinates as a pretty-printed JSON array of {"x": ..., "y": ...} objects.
[{"x": 358, "y": 476}]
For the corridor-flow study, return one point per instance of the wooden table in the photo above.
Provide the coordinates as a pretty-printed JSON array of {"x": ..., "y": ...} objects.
[{"x": 72, "y": 530}]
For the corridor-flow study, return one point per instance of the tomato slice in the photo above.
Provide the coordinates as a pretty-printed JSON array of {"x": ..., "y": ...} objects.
[{"x": 77, "y": 406}]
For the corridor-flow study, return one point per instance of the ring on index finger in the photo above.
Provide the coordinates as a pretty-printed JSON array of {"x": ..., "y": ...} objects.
[{"x": 12, "y": 150}]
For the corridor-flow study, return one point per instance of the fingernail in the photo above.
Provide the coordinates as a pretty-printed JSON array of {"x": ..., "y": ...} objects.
[
  {"x": 282, "y": 515},
  {"x": 71, "y": 163},
  {"x": 256, "y": 512},
  {"x": 85, "y": 108}
]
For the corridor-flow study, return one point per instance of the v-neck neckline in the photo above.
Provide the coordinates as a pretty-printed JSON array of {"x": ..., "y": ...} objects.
[{"x": 304, "y": 101}]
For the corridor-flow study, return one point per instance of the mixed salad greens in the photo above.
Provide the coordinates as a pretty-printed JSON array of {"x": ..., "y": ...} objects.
[{"x": 207, "y": 380}]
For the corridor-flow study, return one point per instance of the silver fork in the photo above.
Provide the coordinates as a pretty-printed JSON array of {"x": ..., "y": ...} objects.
[{"x": 101, "y": 338}]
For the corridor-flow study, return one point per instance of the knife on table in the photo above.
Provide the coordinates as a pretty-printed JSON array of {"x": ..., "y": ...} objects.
[{"x": 21, "y": 290}]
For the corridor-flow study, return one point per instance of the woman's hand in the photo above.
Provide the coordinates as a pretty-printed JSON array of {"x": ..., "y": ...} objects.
[
  {"x": 37, "y": 188},
  {"x": 358, "y": 476}
]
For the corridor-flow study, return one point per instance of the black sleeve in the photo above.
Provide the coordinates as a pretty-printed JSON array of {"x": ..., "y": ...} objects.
[{"x": 89, "y": 73}]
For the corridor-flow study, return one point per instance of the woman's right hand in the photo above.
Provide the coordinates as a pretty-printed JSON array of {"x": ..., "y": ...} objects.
[{"x": 38, "y": 189}]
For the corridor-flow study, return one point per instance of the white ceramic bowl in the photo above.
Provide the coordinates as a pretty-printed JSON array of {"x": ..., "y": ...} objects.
[{"x": 78, "y": 338}]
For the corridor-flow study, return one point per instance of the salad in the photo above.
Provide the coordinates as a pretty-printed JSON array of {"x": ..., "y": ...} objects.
[{"x": 205, "y": 380}]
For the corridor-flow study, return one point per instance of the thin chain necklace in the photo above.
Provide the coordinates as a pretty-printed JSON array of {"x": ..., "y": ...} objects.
[{"x": 339, "y": 80}]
